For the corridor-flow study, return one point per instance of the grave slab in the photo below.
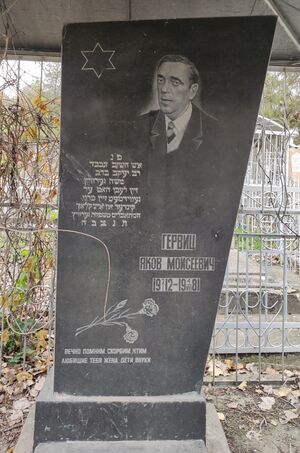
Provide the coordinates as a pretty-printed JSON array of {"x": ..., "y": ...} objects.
[
  {"x": 144, "y": 232},
  {"x": 156, "y": 133}
]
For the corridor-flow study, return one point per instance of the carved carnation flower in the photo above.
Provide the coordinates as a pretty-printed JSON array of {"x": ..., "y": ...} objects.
[
  {"x": 150, "y": 307},
  {"x": 131, "y": 335}
]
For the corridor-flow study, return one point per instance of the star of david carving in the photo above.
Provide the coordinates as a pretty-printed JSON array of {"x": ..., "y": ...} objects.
[{"x": 98, "y": 60}]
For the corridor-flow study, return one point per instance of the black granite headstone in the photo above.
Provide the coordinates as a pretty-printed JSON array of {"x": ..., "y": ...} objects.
[{"x": 147, "y": 208}]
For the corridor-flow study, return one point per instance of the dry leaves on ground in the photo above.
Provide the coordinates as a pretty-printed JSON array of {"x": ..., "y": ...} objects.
[
  {"x": 255, "y": 415},
  {"x": 217, "y": 367},
  {"x": 19, "y": 388}
]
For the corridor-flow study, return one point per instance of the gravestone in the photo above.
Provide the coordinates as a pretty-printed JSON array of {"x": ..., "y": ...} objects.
[{"x": 145, "y": 226}]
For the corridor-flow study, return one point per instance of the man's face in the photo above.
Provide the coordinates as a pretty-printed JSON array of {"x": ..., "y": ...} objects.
[{"x": 175, "y": 90}]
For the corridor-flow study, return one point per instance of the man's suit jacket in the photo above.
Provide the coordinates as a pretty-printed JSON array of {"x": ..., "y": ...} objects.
[
  {"x": 172, "y": 182},
  {"x": 155, "y": 125}
]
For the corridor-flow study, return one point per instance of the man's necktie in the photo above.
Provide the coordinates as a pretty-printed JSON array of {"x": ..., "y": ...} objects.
[{"x": 170, "y": 132}]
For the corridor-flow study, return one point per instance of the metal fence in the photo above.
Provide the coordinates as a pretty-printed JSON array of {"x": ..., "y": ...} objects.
[
  {"x": 29, "y": 146},
  {"x": 259, "y": 307}
]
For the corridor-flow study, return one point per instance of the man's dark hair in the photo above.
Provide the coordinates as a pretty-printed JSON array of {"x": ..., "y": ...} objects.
[{"x": 194, "y": 73}]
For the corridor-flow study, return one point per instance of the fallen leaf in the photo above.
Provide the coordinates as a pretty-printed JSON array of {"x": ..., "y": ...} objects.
[
  {"x": 267, "y": 402},
  {"x": 221, "y": 416},
  {"x": 270, "y": 371},
  {"x": 33, "y": 393},
  {"x": 39, "y": 385},
  {"x": 230, "y": 364},
  {"x": 9, "y": 390},
  {"x": 288, "y": 416},
  {"x": 18, "y": 388},
  {"x": 288, "y": 373},
  {"x": 218, "y": 372},
  {"x": 21, "y": 404},
  {"x": 219, "y": 367},
  {"x": 251, "y": 367},
  {"x": 5, "y": 336},
  {"x": 56, "y": 121},
  {"x": 296, "y": 393},
  {"x": 40, "y": 367},
  {"x": 16, "y": 299},
  {"x": 15, "y": 417},
  {"x": 294, "y": 400},
  {"x": 232, "y": 405},
  {"x": 283, "y": 391},
  {"x": 239, "y": 366},
  {"x": 214, "y": 370},
  {"x": 268, "y": 389},
  {"x": 242, "y": 386},
  {"x": 23, "y": 376},
  {"x": 4, "y": 299},
  {"x": 10, "y": 376},
  {"x": 41, "y": 336}
]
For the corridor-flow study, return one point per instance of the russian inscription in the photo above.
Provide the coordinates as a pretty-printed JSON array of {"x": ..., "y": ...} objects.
[
  {"x": 176, "y": 263},
  {"x": 177, "y": 242},
  {"x": 105, "y": 356},
  {"x": 172, "y": 241}
]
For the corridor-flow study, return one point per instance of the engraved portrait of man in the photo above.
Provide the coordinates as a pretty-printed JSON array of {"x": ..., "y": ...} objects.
[
  {"x": 177, "y": 124},
  {"x": 175, "y": 137}
]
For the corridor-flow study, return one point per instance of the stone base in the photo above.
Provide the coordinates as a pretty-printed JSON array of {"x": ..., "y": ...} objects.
[
  {"x": 63, "y": 418},
  {"x": 133, "y": 446}
]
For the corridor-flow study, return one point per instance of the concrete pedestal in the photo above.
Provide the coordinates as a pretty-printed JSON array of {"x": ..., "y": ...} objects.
[
  {"x": 63, "y": 418},
  {"x": 156, "y": 446}
]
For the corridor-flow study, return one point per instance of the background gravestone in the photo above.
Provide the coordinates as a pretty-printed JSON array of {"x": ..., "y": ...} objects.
[{"x": 145, "y": 235}]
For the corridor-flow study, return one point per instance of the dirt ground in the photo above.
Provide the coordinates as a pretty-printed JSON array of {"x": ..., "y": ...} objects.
[
  {"x": 255, "y": 424},
  {"x": 260, "y": 418}
]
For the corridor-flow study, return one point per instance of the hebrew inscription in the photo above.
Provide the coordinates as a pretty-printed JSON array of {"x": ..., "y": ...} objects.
[{"x": 108, "y": 198}]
